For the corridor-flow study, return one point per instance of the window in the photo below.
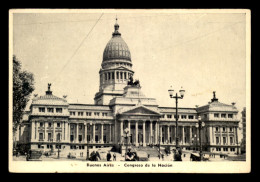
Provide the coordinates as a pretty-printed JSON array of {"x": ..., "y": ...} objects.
[
  {"x": 230, "y": 129},
  {"x": 58, "y": 137},
  {"x": 109, "y": 76},
  {"x": 83, "y": 147},
  {"x": 191, "y": 117},
  {"x": 117, "y": 75},
  {"x": 217, "y": 129},
  {"x": 50, "y": 110},
  {"x": 217, "y": 140},
  {"x": 80, "y": 127},
  {"x": 41, "y": 109},
  {"x": 169, "y": 116},
  {"x": 58, "y": 146},
  {"x": 175, "y": 116},
  {"x": 96, "y": 113},
  {"x": 225, "y": 149},
  {"x": 232, "y": 149},
  {"x": 113, "y": 76},
  {"x": 88, "y": 113},
  {"x": 224, "y": 129},
  {"x": 71, "y": 147},
  {"x": 105, "y": 76},
  {"x": 224, "y": 140},
  {"x": 58, "y": 125},
  {"x": 205, "y": 115},
  {"x": 218, "y": 149},
  {"x": 96, "y": 127},
  {"x": 121, "y": 75},
  {"x": 223, "y": 115},
  {"x": 125, "y": 75},
  {"x": 72, "y": 126},
  {"x": 41, "y": 136},
  {"x": 80, "y": 138},
  {"x": 80, "y": 113},
  {"x": 41, "y": 124},
  {"x": 72, "y": 113},
  {"x": 49, "y": 124},
  {"x": 58, "y": 110},
  {"x": 230, "y": 115},
  {"x": 183, "y": 116},
  {"x": 49, "y": 136},
  {"x": 231, "y": 140},
  {"x": 216, "y": 115}
]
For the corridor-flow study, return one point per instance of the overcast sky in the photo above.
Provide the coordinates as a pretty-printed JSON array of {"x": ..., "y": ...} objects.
[{"x": 201, "y": 52}]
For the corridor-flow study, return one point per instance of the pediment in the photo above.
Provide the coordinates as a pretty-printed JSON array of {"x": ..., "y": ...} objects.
[{"x": 140, "y": 110}]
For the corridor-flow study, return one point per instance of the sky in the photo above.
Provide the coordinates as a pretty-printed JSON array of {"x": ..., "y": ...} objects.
[{"x": 201, "y": 52}]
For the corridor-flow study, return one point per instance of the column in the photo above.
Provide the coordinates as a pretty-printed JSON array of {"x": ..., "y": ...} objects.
[
  {"x": 93, "y": 133},
  {"x": 136, "y": 133},
  {"x": 151, "y": 132},
  {"x": 45, "y": 131},
  {"x": 129, "y": 134},
  {"x": 183, "y": 135},
  {"x": 77, "y": 133},
  {"x": 110, "y": 133},
  {"x": 54, "y": 134},
  {"x": 168, "y": 133},
  {"x": 33, "y": 131},
  {"x": 144, "y": 142},
  {"x": 190, "y": 134},
  {"x": 156, "y": 132},
  {"x": 102, "y": 141},
  {"x": 36, "y": 131},
  {"x": 160, "y": 128},
  {"x": 62, "y": 130},
  {"x": 68, "y": 132},
  {"x": 210, "y": 135},
  {"x": 228, "y": 141},
  {"x": 121, "y": 131},
  {"x": 86, "y": 132}
]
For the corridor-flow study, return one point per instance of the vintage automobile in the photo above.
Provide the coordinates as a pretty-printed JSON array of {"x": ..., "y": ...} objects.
[
  {"x": 196, "y": 157},
  {"x": 34, "y": 155}
]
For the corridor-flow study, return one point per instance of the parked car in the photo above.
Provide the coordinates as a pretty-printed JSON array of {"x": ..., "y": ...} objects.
[
  {"x": 34, "y": 155},
  {"x": 196, "y": 157}
]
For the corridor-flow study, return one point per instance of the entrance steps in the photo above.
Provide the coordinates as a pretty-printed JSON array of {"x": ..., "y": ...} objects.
[{"x": 152, "y": 151}]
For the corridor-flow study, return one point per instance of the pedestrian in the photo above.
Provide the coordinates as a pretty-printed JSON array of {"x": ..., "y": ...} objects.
[
  {"x": 148, "y": 156},
  {"x": 159, "y": 156},
  {"x": 162, "y": 156},
  {"x": 114, "y": 157},
  {"x": 108, "y": 156}
]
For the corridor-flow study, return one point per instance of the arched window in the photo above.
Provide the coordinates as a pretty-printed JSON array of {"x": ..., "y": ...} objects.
[{"x": 113, "y": 76}]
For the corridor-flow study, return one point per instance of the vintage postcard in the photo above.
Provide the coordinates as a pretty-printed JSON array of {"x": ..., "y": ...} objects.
[{"x": 129, "y": 91}]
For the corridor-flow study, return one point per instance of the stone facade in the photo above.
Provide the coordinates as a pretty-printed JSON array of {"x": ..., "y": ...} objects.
[{"x": 54, "y": 123}]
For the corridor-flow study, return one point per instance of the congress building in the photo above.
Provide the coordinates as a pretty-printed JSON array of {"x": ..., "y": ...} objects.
[{"x": 52, "y": 123}]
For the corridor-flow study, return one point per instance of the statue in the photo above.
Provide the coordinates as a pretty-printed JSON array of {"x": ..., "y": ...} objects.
[
  {"x": 136, "y": 83},
  {"x": 49, "y": 86},
  {"x": 131, "y": 81}
]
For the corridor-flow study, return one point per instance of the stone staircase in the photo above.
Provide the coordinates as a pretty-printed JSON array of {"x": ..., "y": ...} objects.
[{"x": 153, "y": 152}]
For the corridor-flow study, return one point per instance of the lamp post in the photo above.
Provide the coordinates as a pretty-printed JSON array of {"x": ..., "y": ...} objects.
[
  {"x": 199, "y": 125},
  {"x": 88, "y": 145},
  {"x": 176, "y": 97},
  {"x": 126, "y": 131}
]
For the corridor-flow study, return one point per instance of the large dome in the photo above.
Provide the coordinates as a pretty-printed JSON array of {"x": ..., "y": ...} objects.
[{"x": 116, "y": 48}]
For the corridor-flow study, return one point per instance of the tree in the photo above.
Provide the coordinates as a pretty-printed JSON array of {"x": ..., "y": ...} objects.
[{"x": 23, "y": 86}]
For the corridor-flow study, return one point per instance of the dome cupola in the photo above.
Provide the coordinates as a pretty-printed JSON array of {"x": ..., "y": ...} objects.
[{"x": 116, "y": 48}]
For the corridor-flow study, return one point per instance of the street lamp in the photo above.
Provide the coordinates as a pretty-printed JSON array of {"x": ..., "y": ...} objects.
[
  {"x": 199, "y": 125},
  {"x": 176, "y": 97},
  {"x": 88, "y": 144},
  {"x": 126, "y": 131}
]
